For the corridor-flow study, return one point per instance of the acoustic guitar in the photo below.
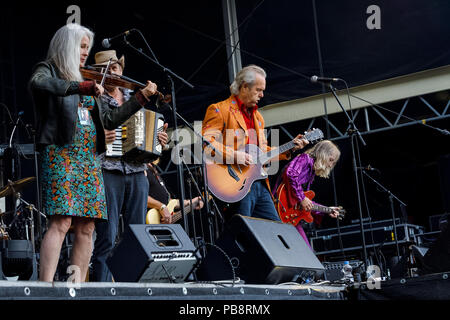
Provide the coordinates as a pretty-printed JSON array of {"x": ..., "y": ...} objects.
[
  {"x": 231, "y": 182},
  {"x": 294, "y": 215},
  {"x": 154, "y": 217}
]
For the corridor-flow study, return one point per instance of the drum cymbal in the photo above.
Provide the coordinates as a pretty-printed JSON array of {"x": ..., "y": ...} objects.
[
  {"x": 5, "y": 213},
  {"x": 15, "y": 186}
]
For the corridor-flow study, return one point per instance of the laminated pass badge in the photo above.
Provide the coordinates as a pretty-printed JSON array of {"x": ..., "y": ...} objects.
[{"x": 83, "y": 112}]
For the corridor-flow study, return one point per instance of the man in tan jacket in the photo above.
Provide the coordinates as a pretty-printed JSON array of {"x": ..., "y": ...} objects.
[{"x": 231, "y": 124}]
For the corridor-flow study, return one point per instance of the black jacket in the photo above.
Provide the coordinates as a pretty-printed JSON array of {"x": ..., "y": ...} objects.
[{"x": 56, "y": 106}]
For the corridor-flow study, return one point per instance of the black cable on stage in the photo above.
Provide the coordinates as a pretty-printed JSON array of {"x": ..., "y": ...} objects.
[{"x": 203, "y": 244}]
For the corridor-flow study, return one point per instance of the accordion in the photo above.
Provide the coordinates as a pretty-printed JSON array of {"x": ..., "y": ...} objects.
[{"x": 137, "y": 138}]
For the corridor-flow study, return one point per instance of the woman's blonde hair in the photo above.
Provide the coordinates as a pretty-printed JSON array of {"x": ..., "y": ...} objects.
[
  {"x": 64, "y": 50},
  {"x": 321, "y": 152}
]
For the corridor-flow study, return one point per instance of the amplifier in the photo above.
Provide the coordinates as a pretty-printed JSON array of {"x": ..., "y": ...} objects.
[
  {"x": 356, "y": 227},
  {"x": 175, "y": 265},
  {"x": 333, "y": 270},
  {"x": 352, "y": 240},
  {"x": 153, "y": 253},
  {"x": 259, "y": 251}
]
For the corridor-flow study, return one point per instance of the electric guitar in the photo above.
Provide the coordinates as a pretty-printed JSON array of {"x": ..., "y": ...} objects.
[
  {"x": 297, "y": 213},
  {"x": 154, "y": 217},
  {"x": 231, "y": 182}
]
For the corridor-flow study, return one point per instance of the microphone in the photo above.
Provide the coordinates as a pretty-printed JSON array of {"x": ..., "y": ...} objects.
[
  {"x": 316, "y": 79},
  {"x": 106, "y": 43},
  {"x": 368, "y": 168}
]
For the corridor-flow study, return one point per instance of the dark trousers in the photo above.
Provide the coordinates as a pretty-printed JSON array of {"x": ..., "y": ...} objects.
[
  {"x": 126, "y": 194},
  {"x": 258, "y": 203}
]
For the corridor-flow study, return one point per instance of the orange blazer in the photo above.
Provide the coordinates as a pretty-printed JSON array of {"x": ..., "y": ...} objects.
[{"x": 226, "y": 115}]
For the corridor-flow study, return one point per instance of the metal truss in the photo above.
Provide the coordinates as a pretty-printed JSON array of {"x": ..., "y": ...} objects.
[{"x": 376, "y": 118}]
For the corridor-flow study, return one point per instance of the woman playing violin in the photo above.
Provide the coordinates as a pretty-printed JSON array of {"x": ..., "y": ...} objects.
[{"x": 71, "y": 122}]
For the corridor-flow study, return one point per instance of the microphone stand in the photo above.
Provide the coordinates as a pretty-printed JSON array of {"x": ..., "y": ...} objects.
[
  {"x": 38, "y": 191},
  {"x": 192, "y": 180},
  {"x": 210, "y": 213},
  {"x": 176, "y": 142},
  {"x": 391, "y": 197},
  {"x": 169, "y": 73},
  {"x": 352, "y": 130},
  {"x": 12, "y": 162},
  {"x": 31, "y": 208},
  {"x": 175, "y": 115},
  {"x": 191, "y": 208}
]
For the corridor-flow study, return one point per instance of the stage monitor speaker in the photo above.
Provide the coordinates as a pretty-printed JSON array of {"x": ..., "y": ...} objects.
[
  {"x": 17, "y": 260},
  {"x": 153, "y": 253},
  {"x": 261, "y": 252}
]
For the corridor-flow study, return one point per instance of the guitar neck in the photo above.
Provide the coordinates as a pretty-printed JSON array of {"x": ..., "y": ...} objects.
[
  {"x": 311, "y": 136},
  {"x": 276, "y": 152},
  {"x": 323, "y": 209},
  {"x": 177, "y": 216}
]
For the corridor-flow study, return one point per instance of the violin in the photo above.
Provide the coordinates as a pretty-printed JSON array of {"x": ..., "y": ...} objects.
[{"x": 116, "y": 80}]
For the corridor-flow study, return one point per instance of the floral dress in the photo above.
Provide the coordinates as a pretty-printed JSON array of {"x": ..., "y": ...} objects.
[{"x": 71, "y": 176}]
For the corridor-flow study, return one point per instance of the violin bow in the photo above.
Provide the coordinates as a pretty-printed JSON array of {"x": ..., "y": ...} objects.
[{"x": 106, "y": 71}]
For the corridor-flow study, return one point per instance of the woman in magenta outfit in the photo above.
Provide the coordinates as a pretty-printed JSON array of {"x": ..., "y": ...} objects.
[{"x": 299, "y": 175}]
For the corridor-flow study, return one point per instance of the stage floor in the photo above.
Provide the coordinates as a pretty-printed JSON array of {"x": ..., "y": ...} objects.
[
  {"x": 427, "y": 287},
  {"x": 36, "y": 290}
]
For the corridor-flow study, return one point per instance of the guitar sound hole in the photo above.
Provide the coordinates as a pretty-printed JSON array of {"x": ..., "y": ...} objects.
[
  {"x": 243, "y": 185},
  {"x": 233, "y": 173}
]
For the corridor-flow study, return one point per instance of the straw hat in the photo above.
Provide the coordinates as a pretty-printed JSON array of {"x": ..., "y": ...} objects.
[{"x": 102, "y": 58}]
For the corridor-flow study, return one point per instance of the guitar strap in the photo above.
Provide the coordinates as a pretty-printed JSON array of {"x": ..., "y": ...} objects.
[
  {"x": 161, "y": 181},
  {"x": 278, "y": 182}
]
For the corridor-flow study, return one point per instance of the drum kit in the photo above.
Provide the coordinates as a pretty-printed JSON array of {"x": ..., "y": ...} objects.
[{"x": 19, "y": 222}]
